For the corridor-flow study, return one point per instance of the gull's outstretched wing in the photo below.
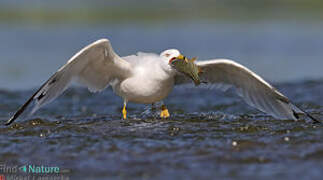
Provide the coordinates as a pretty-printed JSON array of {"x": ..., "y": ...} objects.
[
  {"x": 252, "y": 88},
  {"x": 94, "y": 66}
]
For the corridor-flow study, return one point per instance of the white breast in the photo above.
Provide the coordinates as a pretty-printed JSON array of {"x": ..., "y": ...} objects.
[
  {"x": 151, "y": 82},
  {"x": 145, "y": 90}
]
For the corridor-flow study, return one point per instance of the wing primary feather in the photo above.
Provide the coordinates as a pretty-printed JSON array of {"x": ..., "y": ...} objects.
[
  {"x": 94, "y": 66},
  {"x": 315, "y": 121},
  {"x": 295, "y": 114},
  {"x": 294, "y": 109},
  {"x": 40, "y": 96},
  {"x": 24, "y": 106},
  {"x": 251, "y": 87},
  {"x": 20, "y": 110}
]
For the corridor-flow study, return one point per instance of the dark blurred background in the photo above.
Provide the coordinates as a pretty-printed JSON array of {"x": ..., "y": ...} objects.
[{"x": 279, "y": 39}]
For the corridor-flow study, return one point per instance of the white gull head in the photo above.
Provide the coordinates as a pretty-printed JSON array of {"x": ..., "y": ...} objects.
[{"x": 170, "y": 54}]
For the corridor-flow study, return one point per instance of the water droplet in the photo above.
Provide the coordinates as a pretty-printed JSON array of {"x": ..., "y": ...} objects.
[{"x": 286, "y": 138}]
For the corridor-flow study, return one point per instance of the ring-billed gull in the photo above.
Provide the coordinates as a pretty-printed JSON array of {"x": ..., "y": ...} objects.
[{"x": 149, "y": 78}]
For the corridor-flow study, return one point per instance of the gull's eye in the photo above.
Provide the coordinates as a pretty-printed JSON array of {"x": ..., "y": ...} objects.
[{"x": 167, "y": 55}]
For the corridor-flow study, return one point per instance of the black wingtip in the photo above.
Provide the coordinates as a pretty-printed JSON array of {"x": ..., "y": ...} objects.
[
  {"x": 315, "y": 121},
  {"x": 10, "y": 121},
  {"x": 295, "y": 115}
]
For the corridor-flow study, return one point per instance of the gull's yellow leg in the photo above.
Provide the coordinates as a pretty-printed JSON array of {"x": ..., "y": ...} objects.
[
  {"x": 124, "y": 111},
  {"x": 164, "y": 112}
]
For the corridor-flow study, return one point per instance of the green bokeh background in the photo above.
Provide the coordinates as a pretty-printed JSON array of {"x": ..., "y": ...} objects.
[{"x": 155, "y": 11}]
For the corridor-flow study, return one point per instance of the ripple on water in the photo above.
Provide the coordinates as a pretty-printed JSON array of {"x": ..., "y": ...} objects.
[{"x": 197, "y": 141}]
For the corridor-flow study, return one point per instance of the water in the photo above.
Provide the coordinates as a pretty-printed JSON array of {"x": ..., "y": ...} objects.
[
  {"x": 209, "y": 135},
  {"x": 279, "y": 51},
  {"x": 205, "y": 137}
]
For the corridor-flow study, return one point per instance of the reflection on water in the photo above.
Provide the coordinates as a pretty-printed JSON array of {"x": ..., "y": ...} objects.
[{"x": 279, "y": 51}]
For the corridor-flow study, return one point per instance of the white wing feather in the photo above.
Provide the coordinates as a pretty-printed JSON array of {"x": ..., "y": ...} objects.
[
  {"x": 251, "y": 87},
  {"x": 94, "y": 66}
]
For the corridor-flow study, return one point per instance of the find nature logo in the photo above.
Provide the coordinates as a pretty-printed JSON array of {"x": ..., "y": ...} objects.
[{"x": 39, "y": 169}]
